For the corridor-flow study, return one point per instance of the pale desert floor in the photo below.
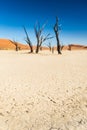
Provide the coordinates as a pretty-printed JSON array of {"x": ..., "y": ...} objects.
[{"x": 43, "y": 91}]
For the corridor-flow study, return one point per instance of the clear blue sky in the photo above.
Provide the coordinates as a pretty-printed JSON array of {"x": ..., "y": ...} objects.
[{"x": 72, "y": 16}]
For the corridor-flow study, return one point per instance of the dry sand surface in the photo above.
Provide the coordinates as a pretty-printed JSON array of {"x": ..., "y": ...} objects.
[{"x": 43, "y": 91}]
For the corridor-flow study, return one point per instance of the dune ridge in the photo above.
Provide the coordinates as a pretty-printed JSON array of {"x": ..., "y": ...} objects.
[{"x": 6, "y": 44}]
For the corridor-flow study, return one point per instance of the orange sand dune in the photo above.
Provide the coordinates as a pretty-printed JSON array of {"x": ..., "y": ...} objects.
[
  {"x": 6, "y": 44},
  {"x": 67, "y": 47},
  {"x": 77, "y": 47}
]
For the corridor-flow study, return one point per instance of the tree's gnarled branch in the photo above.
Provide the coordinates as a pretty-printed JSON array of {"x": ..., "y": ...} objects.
[{"x": 28, "y": 40}]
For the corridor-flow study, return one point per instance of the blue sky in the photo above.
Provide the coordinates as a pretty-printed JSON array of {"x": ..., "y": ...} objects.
[{"x": 72, "y": 16}]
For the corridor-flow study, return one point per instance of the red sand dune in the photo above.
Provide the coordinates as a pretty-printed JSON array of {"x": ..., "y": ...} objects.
[
  {"x": 6, "y": 44},
  {"x": 67, "y": 47},
  {"x": 77, "y": 47}
]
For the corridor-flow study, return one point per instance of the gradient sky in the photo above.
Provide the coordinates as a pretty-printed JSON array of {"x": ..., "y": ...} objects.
[{"x": 72, "y": 16}]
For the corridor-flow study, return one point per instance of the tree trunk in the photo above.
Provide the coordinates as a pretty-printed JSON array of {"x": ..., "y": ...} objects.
[
  {"x": 37, "y": 48},
  {"x": 52, "y": 49},
  {"x": 16, "y": 47},
  {"x": 31, "y": 48},
  {"x": 58, "y": 44},
  {"x": 69, "y": 48}
]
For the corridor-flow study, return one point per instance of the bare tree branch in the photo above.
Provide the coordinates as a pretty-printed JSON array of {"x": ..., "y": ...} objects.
[
  {"x": 28, "y": 40},
  {"x": 15, "y": 43},
  {"x": 56, "y": 30},
  {"x": 49, "y": 46},
  {"x": 39, "y": 36}
]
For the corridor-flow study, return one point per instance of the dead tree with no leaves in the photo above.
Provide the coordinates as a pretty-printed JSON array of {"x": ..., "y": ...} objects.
[
  {"x": 62, "y": 46},
  {"x": 28, "y": 41},
  {"x": 39, "y": 36},
  {"x": 16, "y": 44},
  {"x": 49, "y": 46},
  {"x": 56, "y": 30}
]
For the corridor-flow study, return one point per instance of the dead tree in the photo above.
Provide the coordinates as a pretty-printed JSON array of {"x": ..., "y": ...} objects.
[
  {"x": 62, "y": 46},
  {"x": 56, "y": 30},
  {"x": 16, "y": 44},
  {"x": 28, "y": 41},
  {"x": 69, "y": 47},
  {"x": 39, "y": 36},
  {"x": 49, "y": 46}
]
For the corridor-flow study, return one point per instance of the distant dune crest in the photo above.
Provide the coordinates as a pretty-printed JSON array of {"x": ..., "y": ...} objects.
[{"x": 6, "y": 44}]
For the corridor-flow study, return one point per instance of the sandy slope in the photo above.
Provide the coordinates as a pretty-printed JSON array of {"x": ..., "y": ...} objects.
[
  {"x": 44, "y": 91},
  {"x": 6, "y": 44}
]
